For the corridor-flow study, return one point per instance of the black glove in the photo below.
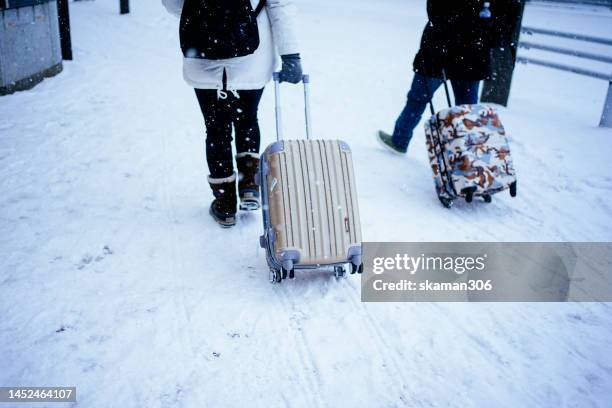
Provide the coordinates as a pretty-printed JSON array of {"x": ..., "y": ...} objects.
[{"x": 292, "y": 68}]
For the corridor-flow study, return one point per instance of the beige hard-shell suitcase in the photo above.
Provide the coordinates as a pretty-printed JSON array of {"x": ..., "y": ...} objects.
[{"x": 310, "y": 209}]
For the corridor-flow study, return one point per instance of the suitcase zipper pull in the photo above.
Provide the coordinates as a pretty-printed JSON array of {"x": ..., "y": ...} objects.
[{"x": 274, "y": 183}]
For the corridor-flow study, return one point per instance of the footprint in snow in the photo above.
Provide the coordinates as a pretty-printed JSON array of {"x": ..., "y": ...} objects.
[
  {"x": 88, "y": 258},
  {"x": 63, "y": 328}
]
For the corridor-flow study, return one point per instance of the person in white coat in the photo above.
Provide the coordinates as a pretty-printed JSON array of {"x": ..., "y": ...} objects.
[{"x": 229, "y": 90}]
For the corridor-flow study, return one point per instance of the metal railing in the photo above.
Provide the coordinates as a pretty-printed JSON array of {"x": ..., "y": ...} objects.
[
  {"x": 606, "y": 116},
  {"x": 577, "y": 2}
]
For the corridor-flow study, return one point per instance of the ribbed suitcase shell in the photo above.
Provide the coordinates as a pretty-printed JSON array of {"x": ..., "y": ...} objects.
[{"x": 311, "y": 215}]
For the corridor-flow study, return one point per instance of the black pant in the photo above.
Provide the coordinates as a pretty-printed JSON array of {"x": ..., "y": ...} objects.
[{"x": 219, "y": 116}]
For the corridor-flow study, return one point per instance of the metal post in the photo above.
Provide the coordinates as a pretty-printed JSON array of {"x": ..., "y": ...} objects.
[
  {"x": 63, "y": 16},
  {"x": 124, "y": 6},
  {"x": 606, "y": 116},
  {"x": 497, "y": 89}
]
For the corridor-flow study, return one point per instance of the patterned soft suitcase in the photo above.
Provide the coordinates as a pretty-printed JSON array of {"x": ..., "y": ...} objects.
[
  {"x": 468, "y": 152},
  {"x": 310, "y": 210}
]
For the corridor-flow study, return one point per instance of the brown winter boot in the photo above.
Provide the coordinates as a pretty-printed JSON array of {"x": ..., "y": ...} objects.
[
  {"x": 223, "y": 207},
  {"x": 248, "y": 165}
]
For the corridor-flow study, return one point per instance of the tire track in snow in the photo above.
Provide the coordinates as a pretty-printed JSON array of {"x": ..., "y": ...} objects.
[
  {"x": 382, "y": 344},
  {"x": 372, "y": 331},
  {"x": 184, "y": 323},
  {"x": 305, "y": 356}
]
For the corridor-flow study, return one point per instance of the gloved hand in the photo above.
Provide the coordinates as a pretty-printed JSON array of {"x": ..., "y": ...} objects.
[{"x": 292, "y": 68}]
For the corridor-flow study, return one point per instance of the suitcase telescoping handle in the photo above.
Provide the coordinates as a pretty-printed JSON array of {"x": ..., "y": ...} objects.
[
  {"x": 429, "y": 96},
  {"x": 278, "y": 111},
  {"x": 440, "y": 158}
]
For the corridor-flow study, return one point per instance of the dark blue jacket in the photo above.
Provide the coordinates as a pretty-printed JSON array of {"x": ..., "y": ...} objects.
[{"x": 459, "y": 41}]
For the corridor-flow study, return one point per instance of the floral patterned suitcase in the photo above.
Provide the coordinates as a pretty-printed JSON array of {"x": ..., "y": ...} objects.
[{"x": 469, "y": 153}]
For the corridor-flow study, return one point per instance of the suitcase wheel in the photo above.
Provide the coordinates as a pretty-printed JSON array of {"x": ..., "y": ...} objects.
[
  {"x": 487, "y": 198},
  {"x": 275, "y": 276},
  {"x": 287, "y": 273},
  {"x": 356, "y": 268},
  {"x": 469, "y": 194},
  {"x": 513, "y": 189},
  {"x": 446, "y": 202},
  {"x": 340, "y": 271}
]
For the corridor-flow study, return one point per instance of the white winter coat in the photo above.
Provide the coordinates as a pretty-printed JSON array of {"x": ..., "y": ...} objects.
[{"x": 276, "y": 37}]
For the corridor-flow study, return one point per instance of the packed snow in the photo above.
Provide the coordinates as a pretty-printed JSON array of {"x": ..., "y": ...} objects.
[{"x": 114, "y": 278}]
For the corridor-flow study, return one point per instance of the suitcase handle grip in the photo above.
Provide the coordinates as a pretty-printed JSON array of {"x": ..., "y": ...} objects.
[{"x": 278, "y": 108}]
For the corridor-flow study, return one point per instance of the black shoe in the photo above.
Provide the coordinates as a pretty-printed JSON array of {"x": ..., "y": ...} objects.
[
  {"x": 386, "y": 141},
  {"x": 248, "y": 190},
  {"x": 223, "y": 207},
  {"x": 224, "y": 219}
]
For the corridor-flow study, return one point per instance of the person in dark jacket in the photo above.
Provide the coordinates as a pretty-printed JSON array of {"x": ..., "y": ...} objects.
[{"x": 455, "y": 45}]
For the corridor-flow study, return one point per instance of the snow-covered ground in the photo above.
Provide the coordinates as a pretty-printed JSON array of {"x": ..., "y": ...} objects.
[{"x": 114, "y": 279}]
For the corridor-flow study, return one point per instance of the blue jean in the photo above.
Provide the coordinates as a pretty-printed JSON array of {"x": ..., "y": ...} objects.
[{"x": 465, "y": 91}]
